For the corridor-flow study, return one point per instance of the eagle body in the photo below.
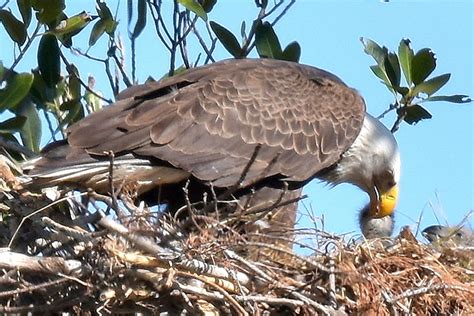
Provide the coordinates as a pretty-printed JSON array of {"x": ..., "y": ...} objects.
[{"x": 254, "y": 123}]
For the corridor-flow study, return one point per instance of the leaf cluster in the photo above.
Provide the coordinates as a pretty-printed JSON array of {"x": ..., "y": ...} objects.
[
  {"x": 418, "y": 86},
  {"x": 56, "y": 89}
]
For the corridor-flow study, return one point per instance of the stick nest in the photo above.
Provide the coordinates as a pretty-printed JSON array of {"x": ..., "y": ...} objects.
[{"x": 71, "y": 252}]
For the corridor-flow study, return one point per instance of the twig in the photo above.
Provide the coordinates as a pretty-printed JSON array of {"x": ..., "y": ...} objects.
[
  {"x": 227, "y": 296},
  {"x": 143, "y": 243},
  {"x": 68, "y": 68},
  {"x": 5, "y": 4},
  {"x": 428, "y": 289},
  {"x": 248, "y": 298},
  {"x": 32, "y": 288},
  {"x": 68, "y": 231},
  {"x": 67, "y": 302},
  {"x": 13, "y": 146},
  {"x": 125, "y": 78},
  {"x": 157, "y": 20},
  {"x": 399, "y": 121},
  {"x": 113, "y": 192},
  {"x": 332, "y": 282},
  {"x": 283, "y": 12},
  {"x": 204, "y": 46},
  {"x": 51, "y": 265},
  {"x": 37, "y": 212},
  {"x": 26, "y": 47}
]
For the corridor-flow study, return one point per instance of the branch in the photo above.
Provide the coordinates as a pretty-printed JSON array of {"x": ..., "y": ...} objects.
[
  {"x": 13, "y": 146},
  {"x": 68, "y": 68},
  {"x": 50, "y": 265}
]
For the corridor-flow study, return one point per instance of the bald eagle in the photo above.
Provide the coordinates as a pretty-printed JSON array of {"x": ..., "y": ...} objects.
[{"x": 258, "y": 123}]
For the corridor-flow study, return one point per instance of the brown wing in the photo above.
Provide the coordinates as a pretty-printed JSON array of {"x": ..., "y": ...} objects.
[{"x": 209, "y": 120}]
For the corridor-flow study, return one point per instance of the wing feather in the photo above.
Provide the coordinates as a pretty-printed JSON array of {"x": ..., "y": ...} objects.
[{"x": 209, "y": 120}]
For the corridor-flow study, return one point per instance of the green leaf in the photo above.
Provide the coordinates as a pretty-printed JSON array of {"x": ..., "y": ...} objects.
[
  {"x": 12, "y": 125},
  {"x": 93, "y": 101},
  {"x": 15, "y": 28},
  {"x": 24, "y": 6},
  {"x": 15, "y": 90},
  {"x": 30, "y": 132},
  {"x": 39, "y": 91},
  {"x": 292, "y": 52},
  {"x": 392, "y": 69},
  {"x": 207, "y": 5},
  {"x": 381, "y": 75},
  {"x": 416, "y": 113},
  {"x": 107, "y": 18},
  {"x": 267, "y": 42},
  {"x": 75, "y": 111},
  {"x": 432, "y": 85},
  {"x": 373, "y": 49},
  {"x": 74, "y": 85},
  {"x": 48, "y": 59},
  {"x": 141, "y": 19},
  {"x": 194, "y": 7},
  {"x": 402, "y": 90},
  {"x": 228, "y": 40},
  {"x": 47, "y": 11},
  {"x": 242, "y": 31},
  {"x": 97, "y": 31},
  {"x": 73, "y": 25},
  {"x": 405, "y": 53},
  {"x": 457, "y": 98},
  {"x": 423, "y": 64}
]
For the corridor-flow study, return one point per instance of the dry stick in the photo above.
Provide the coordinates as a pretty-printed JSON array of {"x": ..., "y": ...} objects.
[
  {"x": 312, "y": 264},
  {"x": 50, "y": 265},
  {"x": 39, "y": 211},
  {"x": 265, "y": 210},
  {"x": 235, "y": 187},
  {"x": 44, "y": 308},
  {"x": 227, "y": 296},
  {"x": 33, "y": 288},
  {"x": 143, "y": 243},
  {"x": 193, "y": 265},
  {"x": 289, "y": 290},
  {"x": 68, "y": 231},
  {"x": 247, "y": 298},
  {"x": 393, "y": 310},
  {"x": 189, "y": 207},
  {"x": 231, "y": 254},
  {"x": 427, "y": 289},
  {"x": 332, "y": 282},
  {"x": 120, "y": 214}
]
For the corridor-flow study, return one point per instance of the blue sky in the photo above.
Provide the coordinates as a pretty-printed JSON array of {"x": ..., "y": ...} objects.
[{"x": 437, "y": 155}]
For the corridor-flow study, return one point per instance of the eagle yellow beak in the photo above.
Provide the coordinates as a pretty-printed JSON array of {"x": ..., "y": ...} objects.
[{"x": 385, "y": 204}]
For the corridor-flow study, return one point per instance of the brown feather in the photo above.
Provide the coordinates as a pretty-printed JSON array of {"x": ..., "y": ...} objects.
[{"x": 210, "y": 118}]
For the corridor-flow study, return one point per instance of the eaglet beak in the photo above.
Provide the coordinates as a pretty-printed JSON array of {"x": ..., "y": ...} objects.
[{"x": 383, "y": 203}]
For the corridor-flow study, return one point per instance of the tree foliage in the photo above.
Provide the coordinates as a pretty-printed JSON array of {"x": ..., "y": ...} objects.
[
  {"x": 57, "y": 90},
  {"x": 418, "y": 88},
  {"x": 56, "y": 93}
]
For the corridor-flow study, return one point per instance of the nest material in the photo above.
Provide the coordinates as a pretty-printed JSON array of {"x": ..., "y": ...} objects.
[{"x": 109, "y": 256}]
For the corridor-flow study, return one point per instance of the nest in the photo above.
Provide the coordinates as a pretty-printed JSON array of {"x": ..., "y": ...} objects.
[{"x": 84, "y": 252}]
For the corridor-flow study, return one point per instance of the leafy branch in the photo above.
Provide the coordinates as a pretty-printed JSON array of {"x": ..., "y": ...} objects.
[{"x": 417, "y": 89}]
